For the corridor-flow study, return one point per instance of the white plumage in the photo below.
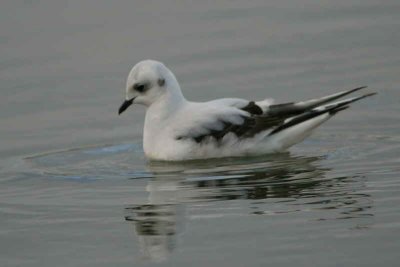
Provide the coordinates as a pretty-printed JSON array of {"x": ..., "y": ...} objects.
[{"x": 178, "y": 129}]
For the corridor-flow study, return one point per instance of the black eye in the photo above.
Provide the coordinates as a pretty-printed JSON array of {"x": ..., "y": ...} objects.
[{"x": 140, "y": 87}]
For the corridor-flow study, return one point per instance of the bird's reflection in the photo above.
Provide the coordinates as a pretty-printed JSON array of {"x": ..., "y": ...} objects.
[{"x": 159, "y": 222}]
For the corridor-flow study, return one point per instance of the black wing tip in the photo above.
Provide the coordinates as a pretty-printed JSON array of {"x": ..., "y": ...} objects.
[
  {"x": 370, "y": 94},
  {"x": 361, "y": 87},
  {"x": 363, "y": 96},
  {"x": 337, "y": 109},
  {"x": 356, "y": 89}
]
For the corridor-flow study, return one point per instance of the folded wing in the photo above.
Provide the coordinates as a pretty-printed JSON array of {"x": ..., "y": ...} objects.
[{"x": 245, "y": 119}]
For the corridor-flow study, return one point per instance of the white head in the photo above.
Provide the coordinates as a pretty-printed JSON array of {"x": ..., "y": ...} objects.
[{"x": 148, "y": 82}]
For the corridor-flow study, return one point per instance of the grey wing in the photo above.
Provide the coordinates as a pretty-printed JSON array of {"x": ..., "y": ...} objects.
[
  {"x": 253, "y": 120},
  {"x": 241, "y": 118}
]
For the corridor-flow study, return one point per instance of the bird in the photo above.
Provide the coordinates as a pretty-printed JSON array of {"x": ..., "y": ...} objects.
[{"x": 176, "y": 129}]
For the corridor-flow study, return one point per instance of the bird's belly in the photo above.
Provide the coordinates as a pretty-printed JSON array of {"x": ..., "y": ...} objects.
[
  {"x": 177, "y": 150},
  {"x": 162, "y": 149}
]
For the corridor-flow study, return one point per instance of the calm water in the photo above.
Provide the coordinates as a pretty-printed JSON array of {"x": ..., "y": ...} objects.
[{"x": 76, "y": 190}]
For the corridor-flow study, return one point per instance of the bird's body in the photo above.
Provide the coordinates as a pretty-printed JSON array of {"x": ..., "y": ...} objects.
[{"x": 178, "y": 129}]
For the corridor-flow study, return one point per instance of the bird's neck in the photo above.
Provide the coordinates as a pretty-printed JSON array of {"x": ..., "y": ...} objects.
[
  {"x": 167, "y": 104},
  {"x": 158, "y": 117},
  {"x": 161, "y": 112}
]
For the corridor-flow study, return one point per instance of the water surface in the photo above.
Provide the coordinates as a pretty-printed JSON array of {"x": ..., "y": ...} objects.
[{"x": 76, "y": 190}]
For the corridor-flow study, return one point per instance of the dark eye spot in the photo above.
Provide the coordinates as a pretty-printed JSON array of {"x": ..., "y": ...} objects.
[
  {"x": 161, "y": 82},
  {"x": 140, "y": 87}
]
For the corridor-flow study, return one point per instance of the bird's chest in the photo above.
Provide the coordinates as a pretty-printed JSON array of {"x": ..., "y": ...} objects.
[
  {"x": 159, "y": 140},
  {"x": 164, "y": 148}
]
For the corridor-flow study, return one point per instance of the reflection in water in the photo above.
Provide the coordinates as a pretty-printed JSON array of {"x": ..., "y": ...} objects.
[
  {"x": 158, "y": 222},
  {"x": 295, "y": 181},
  {"x": 156, "y": 227}
]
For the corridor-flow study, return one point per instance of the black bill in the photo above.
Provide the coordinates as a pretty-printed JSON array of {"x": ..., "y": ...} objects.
[{"x": 125, "y": 105}]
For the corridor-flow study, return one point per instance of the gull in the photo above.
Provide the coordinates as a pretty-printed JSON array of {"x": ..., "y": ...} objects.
[{"x": 176, "y": 129}]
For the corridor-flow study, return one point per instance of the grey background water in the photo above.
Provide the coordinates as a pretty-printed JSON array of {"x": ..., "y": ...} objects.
[{"x": 75, "y": 189}]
